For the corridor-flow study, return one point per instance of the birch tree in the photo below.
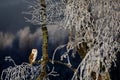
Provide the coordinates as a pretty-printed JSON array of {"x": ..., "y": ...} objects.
[
  {"x": 95, "y": 22},
  {"x": 44, "y": 41}
]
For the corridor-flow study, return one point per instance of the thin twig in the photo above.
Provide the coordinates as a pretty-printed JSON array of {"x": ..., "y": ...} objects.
[{"x": 65, "y": 64}]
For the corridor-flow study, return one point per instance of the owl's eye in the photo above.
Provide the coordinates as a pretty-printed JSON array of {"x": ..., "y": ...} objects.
[{"x": 34, "y": 50}]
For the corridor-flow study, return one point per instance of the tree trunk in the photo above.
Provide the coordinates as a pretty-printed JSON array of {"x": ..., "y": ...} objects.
[{"x": 42, "y": 75}]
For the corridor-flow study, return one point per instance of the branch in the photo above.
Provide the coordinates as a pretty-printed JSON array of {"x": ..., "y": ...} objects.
[
  {"x": 54, "y": 61},
  {"x": 65, "y": 64}
]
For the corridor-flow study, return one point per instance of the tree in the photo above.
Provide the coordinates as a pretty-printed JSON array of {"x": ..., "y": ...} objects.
[
  {"x": 93, "y": 23},
  {"x": 45, "y": 41}
]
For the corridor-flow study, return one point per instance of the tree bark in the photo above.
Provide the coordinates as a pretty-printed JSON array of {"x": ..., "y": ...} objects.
[{"x": 45, "y": 58}]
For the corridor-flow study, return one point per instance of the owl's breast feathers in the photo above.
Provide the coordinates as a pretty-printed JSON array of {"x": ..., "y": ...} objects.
[{"x": 31, "y": 57}]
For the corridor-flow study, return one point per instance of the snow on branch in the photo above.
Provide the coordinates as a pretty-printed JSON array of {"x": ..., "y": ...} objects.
[
  {"x": 95, "y": 22},
  {"x": 24, "y": 71},
  {"x": 53, "y": 72},
  {"x": 54, "y": 10}
]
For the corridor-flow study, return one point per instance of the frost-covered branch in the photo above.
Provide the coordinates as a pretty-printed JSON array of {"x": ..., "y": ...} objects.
[
  {"x": 96, "y": 23},
  {"x": 59, "y": 47},
  {"x": 54, "y": 11},
  {"x": 62, "y": 63},
  {"x": 8, "y": 58},
  {"x": 53, "y": 73},
  {"x": 20, "y": 72}
]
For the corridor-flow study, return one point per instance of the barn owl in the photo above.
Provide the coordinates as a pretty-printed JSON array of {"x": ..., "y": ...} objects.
[{"x": 33, "y": 56}]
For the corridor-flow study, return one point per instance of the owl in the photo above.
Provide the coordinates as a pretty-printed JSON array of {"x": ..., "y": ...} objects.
[{"x": 33, "y": 56}]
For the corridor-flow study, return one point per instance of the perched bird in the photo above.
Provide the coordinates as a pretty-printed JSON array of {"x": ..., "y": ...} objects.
[{"x": 33, "y": 56}]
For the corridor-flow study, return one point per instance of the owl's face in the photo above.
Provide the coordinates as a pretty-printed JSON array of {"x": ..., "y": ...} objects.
[{"x": 34, "y": 51}]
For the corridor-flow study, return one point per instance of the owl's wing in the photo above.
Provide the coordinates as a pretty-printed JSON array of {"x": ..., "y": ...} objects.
[{"x": 31, "y": 58}]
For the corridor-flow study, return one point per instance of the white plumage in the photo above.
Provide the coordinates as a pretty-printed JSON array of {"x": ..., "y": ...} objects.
[{"x": 33, "y": 56}]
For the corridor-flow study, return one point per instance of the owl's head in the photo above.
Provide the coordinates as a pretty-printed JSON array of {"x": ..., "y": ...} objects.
[{"x": 34, "y": 50}]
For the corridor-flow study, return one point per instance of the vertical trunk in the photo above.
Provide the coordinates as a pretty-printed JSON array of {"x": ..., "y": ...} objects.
[{"x": 44, "y": 41}]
